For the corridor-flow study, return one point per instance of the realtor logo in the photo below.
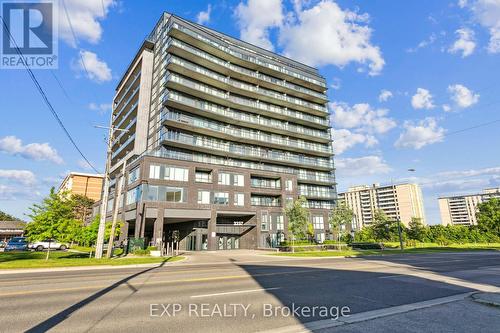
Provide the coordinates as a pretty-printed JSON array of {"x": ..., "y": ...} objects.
[{"x": 29, "y": 35}]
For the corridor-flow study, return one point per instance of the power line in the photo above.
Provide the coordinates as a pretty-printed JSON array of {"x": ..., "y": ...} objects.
[{"x": 45, "y": 98}]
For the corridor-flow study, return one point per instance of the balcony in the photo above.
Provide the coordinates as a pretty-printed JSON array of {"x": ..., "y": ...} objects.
[
  {"x": 215, "y": 95},
  {"x": 222, "y": 66},
  {"x": 225, "y": 148},
  {"x": 258, "y": 200},
  {"x": 251, "y": 120},
  {"x": 121, "y": 111},
  {"x": 265, "y": 183},
  {"x": 317, "y": 192},
  {"x": 319, "y": 204},
  {"x": 123, "y": 146},
  {"x": 134, "y": 81},
  {"x": 179, "y": 120},
  {"x": 227, "y": 50}
]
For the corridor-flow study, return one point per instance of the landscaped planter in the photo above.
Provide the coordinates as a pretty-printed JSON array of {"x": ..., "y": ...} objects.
[{"x": 155, "y": 253}]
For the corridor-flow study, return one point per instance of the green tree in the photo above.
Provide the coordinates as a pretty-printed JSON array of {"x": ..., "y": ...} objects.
[
  {"x": 381, "y": 226},
  {"x": 488, "y": 216},
  {"x": 340, "y": 217},
  {"x": 88, "y": 234},
  {"x": 7, "y": 217},
  {"x": 298, "y": 217},
  {"x": 82, "y": 206},
  {"x": 52, "y": 219},
  {"x": 310, "y": 232},
  {"x": 416, "y": 230}
]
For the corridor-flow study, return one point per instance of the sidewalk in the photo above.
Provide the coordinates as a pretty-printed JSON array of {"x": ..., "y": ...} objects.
[{"x": 470, "y": 312}]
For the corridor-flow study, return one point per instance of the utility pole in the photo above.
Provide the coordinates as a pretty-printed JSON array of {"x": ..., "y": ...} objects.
[
  {"x": 120, "y": 184},
  {"x": 105, "y": 195}
]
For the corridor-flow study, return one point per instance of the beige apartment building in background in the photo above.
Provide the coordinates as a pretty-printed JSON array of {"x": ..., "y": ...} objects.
[
  {"x": 461, "y": 209},
  {"x": 399, "y": 202},
  {"x": 89, "y": 185}
]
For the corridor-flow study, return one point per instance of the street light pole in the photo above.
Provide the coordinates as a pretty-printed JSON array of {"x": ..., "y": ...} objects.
[{"x": 104, "y": 200}]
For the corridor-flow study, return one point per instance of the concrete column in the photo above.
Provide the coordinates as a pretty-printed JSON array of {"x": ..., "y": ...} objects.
[
  {"x": 199, "y": 236},
  {"x": 158, "y": 227},
  {"x": 139, "y": 221},
  {"x": 212, "y": 229},
  {"x": 124, "y": 232}
]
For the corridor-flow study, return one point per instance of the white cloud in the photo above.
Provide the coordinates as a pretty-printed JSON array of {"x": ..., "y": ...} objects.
[
  {"x": 423, "y": 44},
  {"x": 203, "y": 17},
  {"x": 422, "y": 99},
  {"x": 462, "y": 96},
  {"x": 325, "y": 34},
  {"x": 343, "y": 139},
  {"x": 85, "y": 17},
  {"x": 82, "y": 164},
  {"x": 384, "y": 95},
  {"x": 465, "y": 43},
  {"x": 361, "y": 166},
  {"x": 361, "y": 116},
  {"x": 336, "y": 83},
  {"x": 97, "y": 69},
  {"x": 446, "y": 107},
  {"x": 101, "y": 108},
  {"x": 256, "y": 18},
  {"x": 421, "y": 134},
  {"x": 462, "y": 3},
  {"x": 25, "y": 177},
  {"x": 487, "y": 13},
  {"x": 34, "y": 151}
]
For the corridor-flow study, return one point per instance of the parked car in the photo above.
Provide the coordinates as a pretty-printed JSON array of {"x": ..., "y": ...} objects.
[
  {"x": 17, "y": 244},
  {"x": 44, "y": 245},
  {"x": 3, "y": 244}
]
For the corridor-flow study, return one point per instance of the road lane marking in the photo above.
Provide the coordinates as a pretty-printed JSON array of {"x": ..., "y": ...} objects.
[
  {"x": 235, "y": 292},
  {"x": 213, "y": 278}
]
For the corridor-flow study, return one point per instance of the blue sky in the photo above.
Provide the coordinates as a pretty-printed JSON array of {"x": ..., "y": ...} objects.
[{"x": 405, "y": 79}]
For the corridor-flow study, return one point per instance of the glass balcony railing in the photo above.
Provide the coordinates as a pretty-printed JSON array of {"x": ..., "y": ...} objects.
[
  {"x": 245, "y": 86},
  {"x": 246, "y": 102},
  {"x": 244, "y": 150},
  {"x": 315, "y": 204},
  {"x": 317, "y": 191},
  {"x": 246, "y": 117},
  {"x": 265, "y": 201},
  {"x": 275, "y": 66},
  {"x": 132, "y": 108},
  {"x": 124, "y": 131},
  {"x": 123, "y": 145},
  {"x": 241, "y": 70},
  {"x": 247, "y": 133},
  {"x": 118, "y": 114},
  {"x": 217, "y": 160},
  {"x": 274, "y": 184},
  {"x": 134, "y": 80}
]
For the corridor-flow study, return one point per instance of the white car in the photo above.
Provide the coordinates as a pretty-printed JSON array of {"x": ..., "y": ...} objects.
[{"x": 44, "y": 245}]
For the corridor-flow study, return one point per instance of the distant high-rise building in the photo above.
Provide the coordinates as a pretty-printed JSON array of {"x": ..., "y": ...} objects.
[
  {"x": 400, "y": 202},
  {"x": 461, "y": 209},
  {"x": 221, "y": 135},
  {"x": 87, "y": 184}
]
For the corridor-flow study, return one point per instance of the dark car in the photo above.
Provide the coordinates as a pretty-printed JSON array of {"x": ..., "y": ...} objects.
[{"x": 17, "y": 244}]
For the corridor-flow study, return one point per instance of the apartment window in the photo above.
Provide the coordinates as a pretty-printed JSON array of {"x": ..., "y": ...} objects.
[
  {"x": 174, "y": 194},
  {"x": 152, "y": 194},
  {"x": 239, "y": 199},
  {"x": 279, "y": 223},
  {"x": 203, "y": 176},
  {"x": 320, "y": 237},
  {"x": 204, "y": 197},
  {"x": 109, "y": 208},
  {"x": 264, "y": 221},
  {"x": 318, "y": 223},
  {"x": 133, "y": 175},
  {"x": 133, "y": 195},
  {"x": 289, "y": 185},
  {"x": 154, "y": 171},
  {"x": 239, "y": 180},
  {"x": 224, "y": 179},
  {"x": 221, "y": 198},
  {"x": 178, "y": 174}
]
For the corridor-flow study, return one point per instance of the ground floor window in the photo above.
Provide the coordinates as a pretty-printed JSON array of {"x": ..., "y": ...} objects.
[{"x": 221, "y": 198}]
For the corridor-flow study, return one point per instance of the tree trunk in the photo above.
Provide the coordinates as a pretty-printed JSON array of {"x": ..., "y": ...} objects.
[{"x": 48, "y": 252}]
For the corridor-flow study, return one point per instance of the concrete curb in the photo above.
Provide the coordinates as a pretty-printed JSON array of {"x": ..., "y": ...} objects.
[
  {"x": 7, "y": 271},
  {"x": 491, "y": 299}
]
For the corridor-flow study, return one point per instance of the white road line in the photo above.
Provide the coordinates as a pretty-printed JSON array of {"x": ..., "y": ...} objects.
[
  {"x": 364, "y": 316},
  {"x": 390, "y": 276},
  {"x": 235, "y": 292}
]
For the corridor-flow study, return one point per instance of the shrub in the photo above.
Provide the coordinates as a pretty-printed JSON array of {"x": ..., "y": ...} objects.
[{"x": 141, "y": 252}]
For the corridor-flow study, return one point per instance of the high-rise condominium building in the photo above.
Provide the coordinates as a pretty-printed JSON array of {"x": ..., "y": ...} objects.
[
  {"x": 400, "y": 202},
  {"x": 87, "y": 184},
  {"x": 221, "y": 135},
  {"x": 461, "y": 209}
]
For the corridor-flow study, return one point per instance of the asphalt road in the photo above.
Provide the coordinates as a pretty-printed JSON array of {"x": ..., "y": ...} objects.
[{"x": 237, "y": 291}]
